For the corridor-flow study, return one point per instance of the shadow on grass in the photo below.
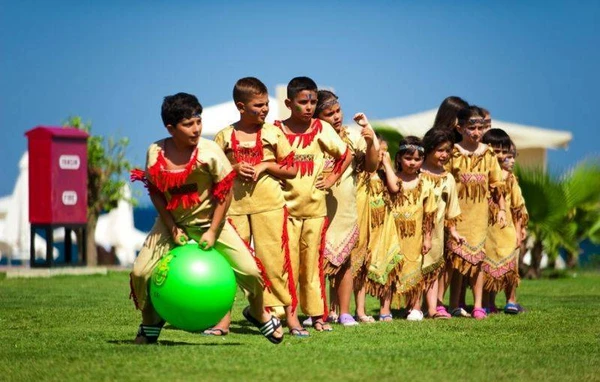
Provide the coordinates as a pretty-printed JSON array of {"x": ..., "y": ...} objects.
[{"x": 174, "y": 343}]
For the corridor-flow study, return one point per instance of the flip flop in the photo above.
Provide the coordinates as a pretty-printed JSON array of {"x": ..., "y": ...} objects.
[
  {"x": 215, "y": 332},
  {"x": 440, "y": 316},
  {"x": 299, "y": 332},
  {"x": 267, "y": 329},
  {"x": 384, "y": 317},
  {"x": 365, "y": 319},
  {"x": 511, "y": 308},
  {"x": 322, "y": 325}
]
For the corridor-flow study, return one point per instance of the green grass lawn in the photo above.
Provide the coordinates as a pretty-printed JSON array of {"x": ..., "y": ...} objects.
[{"x": 81, "y": 328}]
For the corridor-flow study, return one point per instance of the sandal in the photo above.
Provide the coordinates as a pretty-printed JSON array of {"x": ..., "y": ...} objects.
[
  {"x": 459, "y": 312},
  {"x": 440, "y": 316},
  {"x": 365, "y": 319},
  {"x": 347, "y": 320},
  {"x": 299, "y": 332},
  {"x": 267, "y": 329},
  {"x": 511, "y": 308},
  {"x": 332, "y": 318},
  {"x": 479, "y": 314},
  {"x": 148, "y": 334},
  {"x": 324, "y": 327},
  {"x": 216, "y": 332},
  {"x": 386, "y": 317},
  {"x": 441, "y": 311}
]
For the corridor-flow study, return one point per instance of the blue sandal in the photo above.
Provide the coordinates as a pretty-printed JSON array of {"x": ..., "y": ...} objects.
[
  {"x": 384, "y": 317},
  {"x": 511, "y": 308}
]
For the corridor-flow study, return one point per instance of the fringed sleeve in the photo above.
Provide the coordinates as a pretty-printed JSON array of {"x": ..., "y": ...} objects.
[
  {"x": 138, "y": 175},
  {"x": 339, "y": 163},
  {"x": 221, "y": 189},
  {"x": 287, "y": 161}
]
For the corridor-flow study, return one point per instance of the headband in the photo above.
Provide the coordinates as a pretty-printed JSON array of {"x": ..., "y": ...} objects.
[
  {"x": 327, "y": 104},
  {"x": 411, "y": 147}
]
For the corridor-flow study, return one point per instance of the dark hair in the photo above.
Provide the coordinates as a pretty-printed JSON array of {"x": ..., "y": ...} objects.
[
  {"x": 449, "y": 108},
  {"x": 325, "y": 99},
  {"x": 298, "y": 84},
  {"x": 484, "y": 111},
  {"x": 496, "y": 137},
  {"x": 435, "y": 137},
  {"x": 413, "y": 143},
  {"x": 467, "y": 113},
  {"x": 178, "y": 107},
  {"x": 247, "y": 87}
]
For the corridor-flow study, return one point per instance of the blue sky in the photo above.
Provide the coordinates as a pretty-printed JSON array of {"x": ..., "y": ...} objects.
[{"x": 112, "y": 62}]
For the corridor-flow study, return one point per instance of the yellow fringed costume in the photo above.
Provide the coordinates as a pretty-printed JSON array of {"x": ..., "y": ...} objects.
[
  {"x": 342, "y": 233},
  {"x": 307, "y": 223},
  {"x": 257, "y": 209},
  {"x": 191, "y": 194},
  {"x": 476, "y": 174},
  {"x": 447, "y": 213},
  {"x": 500, "y": 265},
  {"x": 383, "y": 247}
]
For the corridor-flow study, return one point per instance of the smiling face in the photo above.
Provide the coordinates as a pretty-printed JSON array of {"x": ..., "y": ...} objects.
[
  {"x": 472, "y": 130},
  {"x": 410, "y": 163},
  {"x": 187, "y": 131},
  {"x": 303, "y": 105},
  {"x": 333, "y": 115},
  {"x": 255, "y": 110},
  {"x": 440, "y": 155}
]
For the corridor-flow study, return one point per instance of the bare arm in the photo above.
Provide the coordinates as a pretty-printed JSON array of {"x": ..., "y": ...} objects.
[
  {"x": 367, "y": 132},
  {"x": 207, "y": 240},
  {"x": 275, "y": 169},
  {"x": 334, "y": 176},
  {"x": 390, "y": 176}
]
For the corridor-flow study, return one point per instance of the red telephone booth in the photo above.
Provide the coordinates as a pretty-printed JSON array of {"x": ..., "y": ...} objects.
[{"x": 57, "y": 185}]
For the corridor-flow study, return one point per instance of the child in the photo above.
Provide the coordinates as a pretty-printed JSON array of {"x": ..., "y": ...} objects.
[
  {"x": 260, "y": 155},
  {"x": 342, "y": 233},
  {"x": 311, "y": 139},
  {"x": 503, "y": 244},
  {"x": 414, "y": 213},
  {"x": 487, "y": 119},
  {"x": 378, "y": 251},
  {"x": 477, "y": 174},
  {"x": 446, "y": 115},
  {"x": 189, "y": 180},
  {"x": 437, "y": 144}
]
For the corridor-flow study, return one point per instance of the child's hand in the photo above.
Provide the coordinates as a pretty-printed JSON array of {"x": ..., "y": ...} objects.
[
  {"x": 244, "y": 170},
  {"x": 387, "y": 158},
  {"x": 426, "y": 245},
  {"x": 367, "y": 133},
  {"x": 179, "y": 236},
  {"x": 259, "y": 169},
  {"x": 361, "y": 119},
  {"x": 457, "y": 237},
  {"x": 207, "y": 240},
  {"x": 501, "y": 218},
  {"x": 323, "y": 184}
]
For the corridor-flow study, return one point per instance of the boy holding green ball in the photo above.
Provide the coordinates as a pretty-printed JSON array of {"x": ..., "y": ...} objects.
[{"x": 189, "y": 180}]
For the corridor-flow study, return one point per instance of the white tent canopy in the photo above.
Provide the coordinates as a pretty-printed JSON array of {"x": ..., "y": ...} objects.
[
  {"x": 525, "y": 137},
  {"x": 217, "y": 117}
]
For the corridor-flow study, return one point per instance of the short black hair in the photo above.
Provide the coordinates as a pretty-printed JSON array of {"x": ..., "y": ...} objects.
[
  {"x": 497, "y": 138},
  {"x": 248, "y": 87},
  {"x": 178, "y": 107},
  {"x": 435, "y": 137},
  {"x": 298, "y": 84}
]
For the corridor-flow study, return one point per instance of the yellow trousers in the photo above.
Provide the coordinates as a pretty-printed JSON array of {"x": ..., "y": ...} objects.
[
  {"x": 228, "y": 243},
  {"x": 307, "y": 245},
  {"x": 268, "y": 230}
]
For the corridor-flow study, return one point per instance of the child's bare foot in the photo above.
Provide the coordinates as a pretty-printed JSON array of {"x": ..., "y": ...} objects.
[{"x": 320, "y": 325}]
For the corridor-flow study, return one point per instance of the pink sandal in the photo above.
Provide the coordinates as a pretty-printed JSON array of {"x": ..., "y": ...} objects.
[
  {"x": 479, "y": 314},
  {"x": 441, "y": 312}
]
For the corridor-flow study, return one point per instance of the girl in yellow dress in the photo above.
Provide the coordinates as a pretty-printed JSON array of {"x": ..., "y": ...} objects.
[
  {"x": 378, "y": 240},
  {"x": 342, "y": 233},
  {"x": 414, "y": 212},
  {"x": 478, "y": 175},
  {"x": 503, "y": 244},
  {"x": 437, "y": 144}
]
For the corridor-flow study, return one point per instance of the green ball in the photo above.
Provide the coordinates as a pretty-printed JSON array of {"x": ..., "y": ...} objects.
[{"x": 192, "y": 288}]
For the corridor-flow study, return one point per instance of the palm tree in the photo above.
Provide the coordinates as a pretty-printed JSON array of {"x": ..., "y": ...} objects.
[{"x": 563, "y": 211}]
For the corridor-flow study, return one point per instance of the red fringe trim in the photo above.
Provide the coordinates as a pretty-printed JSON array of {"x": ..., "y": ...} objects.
[
  {"x": 259, "y": 264},
  {"x": 288, "y": 161},
  {"x": 252, "y": 155},
  {"x": 337, "y": 165},
  {"x": 222, "y": 188},
  {"x": 164, "y": 180},
  {"x": 304, "y": 139},
  {"x": 138, "y": 175},
  {"x": 287, "y": 262},
  {"x": 132, "y": 293},
  {"x": 306, "y": 167},
  {"x": 322, "y": 269},
  {"x": 184, "y": 200}
]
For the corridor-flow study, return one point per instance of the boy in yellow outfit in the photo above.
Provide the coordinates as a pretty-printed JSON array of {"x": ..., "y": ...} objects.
[
  {"x": 189, "y": 180},
  {"x": 305, "y": 195},
  {"x": 261, "y": 156}
]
